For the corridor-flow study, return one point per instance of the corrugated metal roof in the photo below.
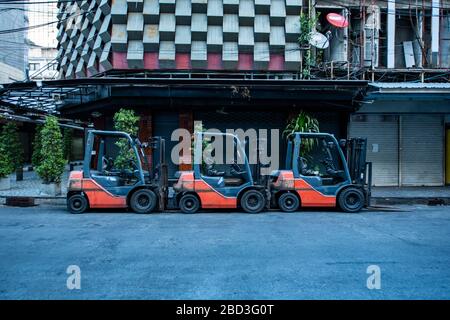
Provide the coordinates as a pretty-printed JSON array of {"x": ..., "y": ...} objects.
[{"x": 409, "y": 85}]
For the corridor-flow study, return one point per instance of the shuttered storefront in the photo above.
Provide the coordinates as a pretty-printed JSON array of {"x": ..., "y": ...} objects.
[
  {"x": 422, "y": 152},
  {"x": 382, "y": 141},
  {"x": 406, "y": 150}
]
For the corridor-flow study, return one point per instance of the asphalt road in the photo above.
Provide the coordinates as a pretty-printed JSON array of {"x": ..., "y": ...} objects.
[{"x": 308, "y": 255}]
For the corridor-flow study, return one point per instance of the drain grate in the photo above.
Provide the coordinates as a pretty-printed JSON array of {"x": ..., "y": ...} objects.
[
  {"x": 436, "y": 202},
  {"x": 20, "y": 201}
]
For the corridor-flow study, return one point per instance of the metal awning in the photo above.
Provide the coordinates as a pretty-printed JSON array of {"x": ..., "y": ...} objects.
[
  {"x": 54, "y": 96},
  {"x": 40, "y": 97},
  {"x": 408, "y": 91}
]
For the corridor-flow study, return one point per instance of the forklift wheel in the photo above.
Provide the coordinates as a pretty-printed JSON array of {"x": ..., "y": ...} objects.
[
  {"x": 77, "y": 203},
  {"x": 143, "y": 201},
  {"x": 351, "y": 200},
  {"x": 288, "y": 202},
  {"x": 252, "y": 201},
  {"x": 189, "y": 203}
]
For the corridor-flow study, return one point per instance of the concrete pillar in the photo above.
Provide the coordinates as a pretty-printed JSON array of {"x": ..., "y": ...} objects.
[
  {"x": 435, "y": 20},
  {"x": 391, "y": 34},
  {"x": 186, "y": 121}
]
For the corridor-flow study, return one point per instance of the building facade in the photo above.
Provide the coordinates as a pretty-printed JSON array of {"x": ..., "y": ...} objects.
[
  {"x": 42, "y": 63},
  {"x": 407, "y": 126},
  {"x": 13, "y": 45}
]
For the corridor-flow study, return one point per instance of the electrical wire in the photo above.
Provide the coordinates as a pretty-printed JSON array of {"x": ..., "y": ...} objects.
[{"x": 41, "y": 25}]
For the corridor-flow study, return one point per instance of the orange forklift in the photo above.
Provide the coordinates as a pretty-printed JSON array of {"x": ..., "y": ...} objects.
[
  {"x": 227, "y": 185},
  {"x": 100, "y": 184},
  {"x": 319, "y": 174}
]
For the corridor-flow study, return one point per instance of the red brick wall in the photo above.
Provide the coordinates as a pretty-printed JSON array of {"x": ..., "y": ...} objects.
[
  {"x": 186, "y": 119},
  {"x": 145, "y": 132}
]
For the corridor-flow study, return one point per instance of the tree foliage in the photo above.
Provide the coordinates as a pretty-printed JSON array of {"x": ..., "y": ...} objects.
[
  {"x": 127, "y": 121},
  {"x": 51, "y": 166}
]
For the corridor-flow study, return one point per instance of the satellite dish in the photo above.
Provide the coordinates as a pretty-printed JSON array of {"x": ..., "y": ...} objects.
[
  {"x": 318, "y": 40},
  {"x": 337, "y": 20}
]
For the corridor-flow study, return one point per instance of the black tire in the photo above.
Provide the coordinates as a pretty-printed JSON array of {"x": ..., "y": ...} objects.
[
  {"x": 77, "y": 203},
  {"x": 143, "y": 201},
  {"x": 189, "y": 203},
  {"x": 253, "y": 201},
  {"x": 288, "y": 202},
  {"x": 351, "y": 200}
]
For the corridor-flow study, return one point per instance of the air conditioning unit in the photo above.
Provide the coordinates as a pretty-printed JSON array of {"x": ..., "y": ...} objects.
[
  {"x": 372, "y": 34},
  {"x": 373, "y": 18},
  {"x": 371, "y": 51}
]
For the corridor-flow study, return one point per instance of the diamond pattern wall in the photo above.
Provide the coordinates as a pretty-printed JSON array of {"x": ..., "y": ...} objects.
[{"x": 98, "y": 35}]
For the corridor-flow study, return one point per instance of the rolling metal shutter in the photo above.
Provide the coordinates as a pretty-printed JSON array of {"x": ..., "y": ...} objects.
[
  {"x": 422, "y": 152},
  {"x": 381, "y": 132}
]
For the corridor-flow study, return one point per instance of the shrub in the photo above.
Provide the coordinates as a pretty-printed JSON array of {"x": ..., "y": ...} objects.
[
  {"x": 11, "y": 149},
  {"x": 51, "y": 166},
  {"x": 12, "y": 144},
  {"x": 6, "y": 165},
  {"x": 127, "y": 121}
]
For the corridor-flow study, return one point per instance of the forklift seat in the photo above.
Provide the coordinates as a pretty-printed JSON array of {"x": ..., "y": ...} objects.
[
  {"x": 234, "y": 182},
  {"x": 107, "y": 180}
]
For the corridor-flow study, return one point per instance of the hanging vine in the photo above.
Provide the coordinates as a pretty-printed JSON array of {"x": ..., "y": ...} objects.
[{"x": 307, "y": 26}]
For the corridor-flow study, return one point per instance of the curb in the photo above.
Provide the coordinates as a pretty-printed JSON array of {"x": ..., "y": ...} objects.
[
  {"x": 431, "y": 201},
  {"x": 40, "y": 200}
]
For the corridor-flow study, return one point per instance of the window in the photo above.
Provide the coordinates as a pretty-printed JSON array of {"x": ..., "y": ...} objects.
[{"x": 33, "y": 66}]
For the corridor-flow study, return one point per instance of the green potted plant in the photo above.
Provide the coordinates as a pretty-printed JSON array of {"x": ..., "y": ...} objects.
[
  {"x": 52, "y": 162},
  {"x": 127, "y": 121},
  {"x": 303, "y": 122}
]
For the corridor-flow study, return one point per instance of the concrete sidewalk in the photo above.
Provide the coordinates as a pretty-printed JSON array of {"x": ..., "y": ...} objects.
[
  {"x": 30, "y": 186},
  {"x": 411, "y": 195}
]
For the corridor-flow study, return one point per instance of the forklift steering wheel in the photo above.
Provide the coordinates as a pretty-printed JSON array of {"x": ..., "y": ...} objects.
[
  {"x": 134, "y": 165},
  {"x": 107, "y": 163},
  {"x": 236, "y": 169}
]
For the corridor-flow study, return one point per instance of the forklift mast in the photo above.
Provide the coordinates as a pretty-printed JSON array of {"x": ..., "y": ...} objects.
[
  {"x": 159, "y": 168},
  {"x": 360, "y": 170},
  {"x": 356, "y": 159}
]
